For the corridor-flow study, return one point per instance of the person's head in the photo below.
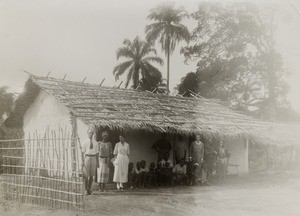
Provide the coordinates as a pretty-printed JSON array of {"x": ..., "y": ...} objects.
[
  {"x": 130, "y": 165},
  {"x": 143, "y": 163},
  {"x": 198, "y": 137},
  {"x": 122, "y": 138},
  {"x": 90, "y": 133},
  {"x": 181, "y": 162},
  {"x": 104, "y": 135},
  {"x": 166, "y": 156},
  {"x": 152, "y": 165},
  {"x": 167, "y": 164},
  {"x": 138, "y": 165}
]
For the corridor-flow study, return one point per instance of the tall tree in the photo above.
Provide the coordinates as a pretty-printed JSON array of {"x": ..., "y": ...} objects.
[
  {"x": 168, "y": 29},
  {"x": 140, "y": 54},
  {"x": 6, "y": 104},
  {"x": 237, "y": 60},
  {"x": 6, "y": 101}
]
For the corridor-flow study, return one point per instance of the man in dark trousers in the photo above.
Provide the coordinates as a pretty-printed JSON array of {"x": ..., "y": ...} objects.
[
  {"x": 162, "y": 146},
  {"x": 90, "y": 152}
]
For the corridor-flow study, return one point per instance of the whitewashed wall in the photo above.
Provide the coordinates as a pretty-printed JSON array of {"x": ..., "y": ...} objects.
[
  {"x": 46, "y": 111},
  {"x": 238, "y": 149},
  {"x": 48, "y": 116}
]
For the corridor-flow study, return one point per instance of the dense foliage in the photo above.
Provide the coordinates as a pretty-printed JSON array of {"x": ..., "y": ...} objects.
[{"x": 236, "y": 58}]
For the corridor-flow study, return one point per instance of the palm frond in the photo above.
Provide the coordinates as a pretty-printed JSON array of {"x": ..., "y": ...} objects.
[
  {"x": 154, "y": 30},
  {"x": 121, "y": 68},
  {"x": 124, "y": 52},
  {"x": 151, "y": 73},
  {"x": 155, "y": 59}
]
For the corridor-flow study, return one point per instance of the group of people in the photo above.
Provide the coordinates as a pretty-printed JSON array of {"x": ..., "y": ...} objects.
[
  {"x": 164, "y": 174},
  {"x": 194, "y": 163},
  {"x": 98, "y": 157}
]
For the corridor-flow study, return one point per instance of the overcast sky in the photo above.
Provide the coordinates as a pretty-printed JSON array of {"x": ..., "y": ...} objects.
[{"x": 80, "y": 37}]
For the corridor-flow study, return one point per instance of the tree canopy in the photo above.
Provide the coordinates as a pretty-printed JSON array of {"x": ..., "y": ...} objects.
[
  {"x": 140, "y": 54},
  {"x": 236, "y": 57},
  {"x": 168, "y": 29}
]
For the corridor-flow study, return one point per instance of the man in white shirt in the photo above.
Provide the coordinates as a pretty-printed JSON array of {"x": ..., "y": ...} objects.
[{"x": 90, "y": 150}]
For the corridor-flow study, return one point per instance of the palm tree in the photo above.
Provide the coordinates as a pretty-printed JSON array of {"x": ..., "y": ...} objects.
[
  {"x": 168, "y": 29},
  {"x": 140, "y": 54}
]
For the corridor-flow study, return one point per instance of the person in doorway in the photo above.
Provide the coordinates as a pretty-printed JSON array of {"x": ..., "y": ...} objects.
[
  {"x": 181, "y": 149},
  {"x": 197, "y": 154},
  {"x": 166, "y": 160},
  {"x": 162, "y": 146},
  {"x": 105, "y": 153},
  {"x": 209, "y": 159},
  {"x": 90, "y": 151},
  {"x": 121, "y": 161}
]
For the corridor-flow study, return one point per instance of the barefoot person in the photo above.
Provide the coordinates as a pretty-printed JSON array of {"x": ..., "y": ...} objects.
[
  {"x": 105, "y": 153},
  {"x": 197, "y": 153},
  {"x": 121, "y": 162},
  {"x": 90, "y": 151}
]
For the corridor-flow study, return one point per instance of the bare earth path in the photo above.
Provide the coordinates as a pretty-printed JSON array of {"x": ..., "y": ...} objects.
[{"x": 273, "y": 194}]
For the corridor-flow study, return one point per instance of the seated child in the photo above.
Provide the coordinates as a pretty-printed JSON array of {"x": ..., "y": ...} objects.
[
  {"x": 158, "y": 174},
  {"x": 179, "y": 173},
  {"x": 167, "y": 174},
  {"x": 130, "y": 175},
  {"x": 151, "y": 176},
  {"x": 135, "y": 175},
  {"x": 143, "y": 174}
]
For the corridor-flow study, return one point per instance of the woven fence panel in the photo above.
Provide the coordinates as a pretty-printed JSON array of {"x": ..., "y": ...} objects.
[{"x": 44, "y": 171}]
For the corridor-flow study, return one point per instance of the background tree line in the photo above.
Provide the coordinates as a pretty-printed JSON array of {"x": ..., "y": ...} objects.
[{"x": 237, "y": 61}]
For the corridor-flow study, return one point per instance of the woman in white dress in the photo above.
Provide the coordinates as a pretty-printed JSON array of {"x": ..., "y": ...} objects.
[{"x": 121, "y": 162}]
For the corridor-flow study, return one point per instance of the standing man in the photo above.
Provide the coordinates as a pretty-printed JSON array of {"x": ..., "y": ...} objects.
[
  {"x": 209, "y": 158},
  {"x": 162, "y": 146},
  {"x": 90, "y": 151},
  {"x": 197, "y": 153},
  {"x": 181, "y": 149}
]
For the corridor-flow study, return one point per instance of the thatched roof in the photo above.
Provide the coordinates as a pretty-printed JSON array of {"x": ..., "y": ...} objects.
[{"x": 132, "y": 110}]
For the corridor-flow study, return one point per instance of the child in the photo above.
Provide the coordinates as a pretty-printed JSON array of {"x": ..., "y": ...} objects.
[
  {"x": 143, "y": 174},
  {"x": 130, "y": 175},
  {"x": 179, "y": 173},
  {"x": 167, "y": 174},
  {"x": 136, "y": 176},
  {"x": 158, "y": 174},
  {"x": 151, "y": 176}
]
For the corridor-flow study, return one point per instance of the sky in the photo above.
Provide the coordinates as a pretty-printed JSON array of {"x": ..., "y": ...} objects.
[{"x": 80, "y": 38}]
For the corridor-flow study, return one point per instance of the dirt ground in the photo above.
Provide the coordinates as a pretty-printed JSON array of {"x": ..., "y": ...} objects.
[{"x": 276, "y": 193}]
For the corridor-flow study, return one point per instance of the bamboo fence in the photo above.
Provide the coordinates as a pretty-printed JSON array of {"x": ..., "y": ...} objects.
[{"x": 44, "y": 170}]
